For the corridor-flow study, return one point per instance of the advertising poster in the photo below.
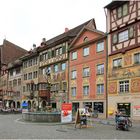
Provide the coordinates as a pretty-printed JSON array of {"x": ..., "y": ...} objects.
[{"x": 66, "y": 112}]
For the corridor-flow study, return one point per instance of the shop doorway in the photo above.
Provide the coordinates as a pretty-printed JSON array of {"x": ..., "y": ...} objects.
[
  {"x": 125, "y": 108},
  {"x": 75, "y": 106}
]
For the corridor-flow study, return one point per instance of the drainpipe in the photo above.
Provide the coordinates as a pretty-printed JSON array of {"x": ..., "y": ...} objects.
[
  {"x": 68, "y": 72},
  {"x": 106, "y": 66}
]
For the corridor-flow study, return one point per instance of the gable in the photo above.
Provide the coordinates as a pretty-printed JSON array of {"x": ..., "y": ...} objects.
[{"x": 86, "y": 33}]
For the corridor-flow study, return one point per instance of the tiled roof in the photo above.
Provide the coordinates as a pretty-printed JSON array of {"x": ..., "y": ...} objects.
[
  {"x": 11, "y": 52},
  {"x": 114, "y": 4},
  {"x": 69, "y": 34}
]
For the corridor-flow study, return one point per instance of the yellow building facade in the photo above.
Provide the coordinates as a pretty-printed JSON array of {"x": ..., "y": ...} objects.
[{"x": 123, "y": 22}]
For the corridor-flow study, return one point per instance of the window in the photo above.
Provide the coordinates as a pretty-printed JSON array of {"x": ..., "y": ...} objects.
[
  {"x": 17, "y": 70},
  {"x": 30, "y": 75},
  {"x": 124, "y": 86},
  {"x": 74, "y": 74},
  {"x": 100, "y": 47},
  {"x": 100, "y": 88},
  {"x": 35, "y": 74},
  {"x": 25, "y": 76},
  {"x": 123, "y": 36},
  {"x": 25, "y": 64},
  {"x": 42, "y": 86},
  {"x": 15, "y": 82},
  {"x": 56, "y": 68},
  {"x": 137, "y": 58},
  {"x": 85, "y": 39},
  {"x": 45, "y": 56},
  {"x": 86, "y": 72},
  {"x": 85, "y": 90},
  {"x": 86, "y": 51},
  {"x": 74, "y": 55},
  {"x": 58, "y": 51},
  {"x": 117, "y": 63},
  {"x": 99, "y": 107},
  {"x": 63, "y": 66},
  {"x": 73, "y": 91},
  {"x": 30, "y": 63},
  {"x": 100, "y": 69},
  {"x": 19, "y": 82},
  {"x": 55, "y": 87},
  {"x": 35, "y": 61},
  {"x": 122, "y": 11},
  {"x": 10, "y": 83}
]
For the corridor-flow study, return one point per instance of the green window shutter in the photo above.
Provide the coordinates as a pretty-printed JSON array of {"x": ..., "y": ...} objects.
[
  {"x": 125, "y": 9},
  {"x": 53, "y": 53},
  {"x": 119, "y": 12},
  {"x": 63, "y": 49},
  {"x": 115, "y": 39},
  {"x": 131, "y": 32},
  {"x": 49, "y": 54}
]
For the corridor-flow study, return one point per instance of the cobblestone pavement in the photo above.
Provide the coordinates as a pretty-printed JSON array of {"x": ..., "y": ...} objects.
[{"x": 12, "y": 128}]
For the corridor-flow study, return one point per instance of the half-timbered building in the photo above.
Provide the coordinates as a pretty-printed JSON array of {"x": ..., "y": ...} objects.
[{"x": 123, "y": 27}]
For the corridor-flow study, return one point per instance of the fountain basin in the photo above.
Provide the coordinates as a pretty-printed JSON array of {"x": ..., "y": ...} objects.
[{"x": 42, "y": 116}]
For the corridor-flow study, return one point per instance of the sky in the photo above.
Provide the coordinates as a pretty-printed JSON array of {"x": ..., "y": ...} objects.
[{"x": 26, "y": 22}]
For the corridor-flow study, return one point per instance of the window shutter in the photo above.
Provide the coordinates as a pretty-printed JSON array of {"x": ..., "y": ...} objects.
[
  {"x": 131, "y": 32},
  {"x": 53, "y": 53},
  {"x": 49, "y": 54},
  {"x": 63, "y": 49},
  {"x": 119, "y": 12},
  {"x": 115, "y": 39}
]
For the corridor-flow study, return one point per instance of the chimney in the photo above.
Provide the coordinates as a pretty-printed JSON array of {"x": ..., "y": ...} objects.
[
  {"x": 66, "y": 29},
  {"x": 43, "y": 43},
  {"x": 44, "y": 40},
  {"x": 34, "y": 46}
]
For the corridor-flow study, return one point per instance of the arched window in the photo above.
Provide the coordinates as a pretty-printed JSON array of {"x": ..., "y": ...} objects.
[{"x": 85, "y": 39}]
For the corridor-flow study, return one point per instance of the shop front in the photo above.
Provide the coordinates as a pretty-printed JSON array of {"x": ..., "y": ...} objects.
[
  {"x": 128, "y": 105},
  {"x": 124, "y": 108}
]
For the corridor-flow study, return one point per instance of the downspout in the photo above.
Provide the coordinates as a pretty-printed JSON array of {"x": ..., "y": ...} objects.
[
  {"x": 106, "y": 66},
  {"x": 68, "y": 72}
]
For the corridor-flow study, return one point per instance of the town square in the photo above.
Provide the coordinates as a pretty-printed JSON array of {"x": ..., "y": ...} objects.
[{"x": 82, "y": 83}]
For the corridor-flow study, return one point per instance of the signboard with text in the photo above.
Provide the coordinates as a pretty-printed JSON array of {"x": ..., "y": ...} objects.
[{"x": 66, "y": 112}]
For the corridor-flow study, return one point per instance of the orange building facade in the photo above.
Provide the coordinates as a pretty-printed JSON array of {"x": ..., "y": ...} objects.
[{"x": 87, "y": 71}]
